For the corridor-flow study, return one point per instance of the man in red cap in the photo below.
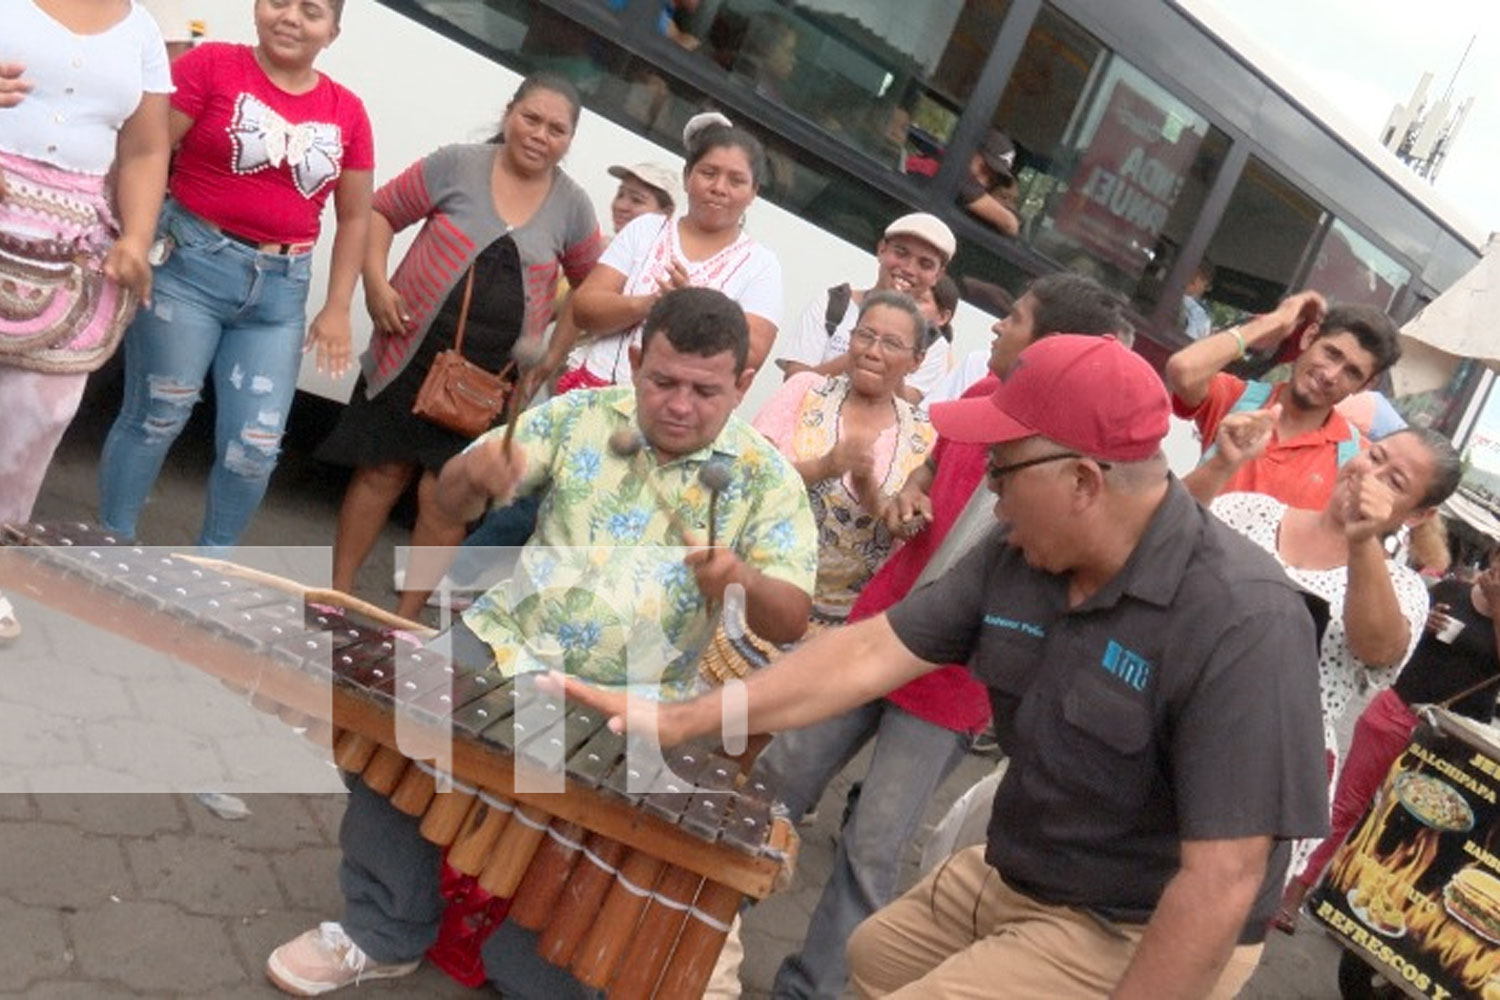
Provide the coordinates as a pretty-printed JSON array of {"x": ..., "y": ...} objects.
[
  {"x": 921, "y": 730},
  {"x": 1152, "y": 680}
]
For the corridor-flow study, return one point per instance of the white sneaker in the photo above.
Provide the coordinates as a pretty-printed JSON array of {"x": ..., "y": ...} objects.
[
  {"x": 10, "y": 628},
  {"x": 325, "y": 959}
]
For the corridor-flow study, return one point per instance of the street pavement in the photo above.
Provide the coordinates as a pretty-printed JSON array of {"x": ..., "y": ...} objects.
[{"x": 150, "y": 894}]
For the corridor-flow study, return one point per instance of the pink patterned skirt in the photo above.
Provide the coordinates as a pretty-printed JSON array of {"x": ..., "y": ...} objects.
[{"x": 58, "y": 312}]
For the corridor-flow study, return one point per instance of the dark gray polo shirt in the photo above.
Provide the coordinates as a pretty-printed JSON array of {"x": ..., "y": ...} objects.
[{"x": 1180, "y": 702}]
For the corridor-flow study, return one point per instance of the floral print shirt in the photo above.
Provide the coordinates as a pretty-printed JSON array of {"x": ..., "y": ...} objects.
[{"x": 600, "y": 590}]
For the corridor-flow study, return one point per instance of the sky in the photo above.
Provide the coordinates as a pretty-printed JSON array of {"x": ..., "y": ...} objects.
[{"x": 1365, "y": 56}]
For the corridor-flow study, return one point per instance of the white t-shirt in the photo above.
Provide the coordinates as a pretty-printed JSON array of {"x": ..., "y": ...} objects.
[
  {"x": 745, "y": 271},
  {"x": 974, "y": 366},
  {"x": 85, "y": 86},
  {"x": 811, "y": 344}
]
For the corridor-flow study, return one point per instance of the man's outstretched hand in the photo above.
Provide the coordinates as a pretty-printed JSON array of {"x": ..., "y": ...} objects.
[{"x": 642, "y": 714}]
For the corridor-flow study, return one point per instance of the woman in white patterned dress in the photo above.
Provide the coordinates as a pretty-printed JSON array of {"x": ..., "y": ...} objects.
[{"x": 1370, "y": 608}]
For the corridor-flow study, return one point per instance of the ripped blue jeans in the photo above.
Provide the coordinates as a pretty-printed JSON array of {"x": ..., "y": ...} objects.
[{"x": 220, "y": 306}]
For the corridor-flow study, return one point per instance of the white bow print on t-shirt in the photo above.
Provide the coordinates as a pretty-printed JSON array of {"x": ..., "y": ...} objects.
[{"x": 262, "y": 138}]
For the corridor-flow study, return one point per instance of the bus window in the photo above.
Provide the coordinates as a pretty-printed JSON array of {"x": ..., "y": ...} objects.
[
  {"x": 888, "y": 81},
  {"x": 1113, "y": 170},
  {"x": 1351, "y": 269},
  {"x": 1259, "y": 244}
]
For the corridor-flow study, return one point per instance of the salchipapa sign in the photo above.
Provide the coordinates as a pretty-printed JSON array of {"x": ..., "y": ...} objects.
[{"x": 1415, "y": 890}]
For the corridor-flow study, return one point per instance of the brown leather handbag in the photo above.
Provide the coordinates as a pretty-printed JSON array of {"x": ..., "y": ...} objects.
[{"x": 457, "y": 394}]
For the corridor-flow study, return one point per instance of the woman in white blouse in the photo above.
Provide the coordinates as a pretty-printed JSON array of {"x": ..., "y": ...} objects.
[
  {"x": 1375, "y": 606},
  {"x": 703, "y": 246}
]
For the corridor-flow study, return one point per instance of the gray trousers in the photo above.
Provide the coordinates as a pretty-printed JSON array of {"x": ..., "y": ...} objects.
[{"x": 911, "y": 759}]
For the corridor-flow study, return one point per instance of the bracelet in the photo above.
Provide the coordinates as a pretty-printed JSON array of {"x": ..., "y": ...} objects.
[{"x": 1239, "y": 338}]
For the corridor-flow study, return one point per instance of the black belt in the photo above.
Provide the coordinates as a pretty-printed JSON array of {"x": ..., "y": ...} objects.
[{"x": 284, "y": 249}]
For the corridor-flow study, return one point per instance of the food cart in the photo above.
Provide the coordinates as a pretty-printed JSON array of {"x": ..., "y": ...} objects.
[{"x": 1414, "y": 891}]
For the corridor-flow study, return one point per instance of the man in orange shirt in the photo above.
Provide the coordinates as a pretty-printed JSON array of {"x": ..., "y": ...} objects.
[{"x": 1344, "y": 349}]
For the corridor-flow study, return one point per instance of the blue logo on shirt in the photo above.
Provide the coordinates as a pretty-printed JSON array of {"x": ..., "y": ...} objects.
[
  {"x": 1025, "y": 628},
  {"x": 1129, "y": 666}
]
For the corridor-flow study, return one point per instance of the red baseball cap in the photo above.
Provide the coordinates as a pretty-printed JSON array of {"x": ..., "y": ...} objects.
[{"x": 1091, "y": 394}]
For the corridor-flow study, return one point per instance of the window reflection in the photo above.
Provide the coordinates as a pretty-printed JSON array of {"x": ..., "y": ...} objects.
[
  {"x": 1351, "y": 269},
  {"x": 530, "y": 36},
  {"x": 1259, "y": 244},
  {"x": 886, "y": 77},
  {"x": 1113, "y": 170}
]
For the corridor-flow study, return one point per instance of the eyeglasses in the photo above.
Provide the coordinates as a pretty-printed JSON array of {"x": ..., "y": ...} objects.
[
  {"x": 995, "y": 473},
  {"x": 863, "y": 336}
]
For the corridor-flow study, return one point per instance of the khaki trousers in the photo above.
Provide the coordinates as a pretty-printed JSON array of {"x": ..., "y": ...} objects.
[{"x": 962, "y": 932}]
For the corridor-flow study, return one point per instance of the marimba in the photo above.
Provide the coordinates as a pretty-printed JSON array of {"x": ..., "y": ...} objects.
[{"x": 632, "y": 892}]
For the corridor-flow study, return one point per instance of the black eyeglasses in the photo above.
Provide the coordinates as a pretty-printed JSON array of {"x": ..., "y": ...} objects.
[
  {"x": 997, "y": 472},
  {"x": 863, "y": 336}
]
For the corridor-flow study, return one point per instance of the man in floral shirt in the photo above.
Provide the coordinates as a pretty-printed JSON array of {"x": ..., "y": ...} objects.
[
  {"x": 601, "y": 559},
  {"x": 622, "y": 496}
]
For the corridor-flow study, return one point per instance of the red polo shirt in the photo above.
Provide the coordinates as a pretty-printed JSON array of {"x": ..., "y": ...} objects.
[{"x": 1299, "y": 472}]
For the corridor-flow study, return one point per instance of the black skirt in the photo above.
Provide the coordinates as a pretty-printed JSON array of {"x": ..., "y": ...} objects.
[{"x": 383, "y": 429}]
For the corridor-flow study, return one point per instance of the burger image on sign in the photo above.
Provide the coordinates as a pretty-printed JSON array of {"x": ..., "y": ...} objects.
[{"x": 1472, "y": 897}]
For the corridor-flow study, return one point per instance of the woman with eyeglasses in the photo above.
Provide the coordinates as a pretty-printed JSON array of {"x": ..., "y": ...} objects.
[{"x": 854, "y": 439}]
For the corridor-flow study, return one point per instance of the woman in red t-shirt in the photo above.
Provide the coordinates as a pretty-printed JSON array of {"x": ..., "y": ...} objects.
[{"x": 262, "y": 140}]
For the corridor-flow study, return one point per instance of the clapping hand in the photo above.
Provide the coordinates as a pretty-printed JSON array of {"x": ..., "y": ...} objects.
[
  {"x": 675, "y": 278},
  {"x": 1243, "y": 437},
  {"x": 1488, "y": 583},
  {"x": 908, "y": 512},
  {"x": 853, "y": 454},
  {"x": 1368, "y": 507}
]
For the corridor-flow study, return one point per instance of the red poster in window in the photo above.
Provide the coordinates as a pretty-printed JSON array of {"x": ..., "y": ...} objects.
[{"x": 1122, "y": 191}]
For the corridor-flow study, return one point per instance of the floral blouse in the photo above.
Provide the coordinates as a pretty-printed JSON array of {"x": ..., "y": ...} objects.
[{"x": 803, "y": 421}]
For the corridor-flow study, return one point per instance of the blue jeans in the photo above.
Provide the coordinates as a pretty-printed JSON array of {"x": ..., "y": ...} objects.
[
  {"x": 911, "y": 759},
  {"x": 216, "y": 304}
]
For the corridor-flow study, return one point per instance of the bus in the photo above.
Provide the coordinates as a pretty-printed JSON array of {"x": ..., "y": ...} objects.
[{"x": 1150, "y": 140}]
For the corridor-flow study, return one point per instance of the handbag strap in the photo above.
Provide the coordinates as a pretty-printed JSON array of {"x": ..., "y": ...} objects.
[
  {"x": 463, "y": 312},
  {"x": 463, "y": 319}
]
